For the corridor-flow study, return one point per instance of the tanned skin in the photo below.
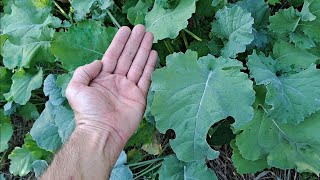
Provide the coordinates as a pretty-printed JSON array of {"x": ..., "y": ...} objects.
[{"x": 108, "y": 98}]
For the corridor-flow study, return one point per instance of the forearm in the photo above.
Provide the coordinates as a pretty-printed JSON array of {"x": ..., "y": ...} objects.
[{"x": 88, "y": 154}]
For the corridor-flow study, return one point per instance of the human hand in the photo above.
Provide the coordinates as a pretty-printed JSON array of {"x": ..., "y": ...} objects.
[{"x": 109, "y": 96}]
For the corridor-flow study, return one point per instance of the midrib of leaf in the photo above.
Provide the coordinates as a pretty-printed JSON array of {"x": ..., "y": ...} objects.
[
  {"x": 91, "y": 50},
  {"x": 200, "y": 104}
]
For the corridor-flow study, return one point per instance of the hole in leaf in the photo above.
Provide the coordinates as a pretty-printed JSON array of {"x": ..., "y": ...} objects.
[{"x": 220, "y": 133}]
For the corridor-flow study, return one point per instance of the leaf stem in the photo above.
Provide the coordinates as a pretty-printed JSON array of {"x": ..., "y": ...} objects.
[
  {"x": 146, "y": 162},
  {"x": 184, "y": 39},
  {"x": 145, "y": 172},
  {"x": 192, "y": 34},
  {"x": 168, "y": 46},
  {"x": 62, "y": 11},
  {"x": 115, "y": 22}
]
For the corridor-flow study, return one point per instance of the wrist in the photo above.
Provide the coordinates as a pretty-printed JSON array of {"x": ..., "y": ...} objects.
[{"x": 102, "y": 143}]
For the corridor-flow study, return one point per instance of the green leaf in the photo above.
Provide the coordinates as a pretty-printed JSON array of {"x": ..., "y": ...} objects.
[
  {"x": 292, "y": 97},
  {"x": 302, "y": 41},
  {"x": 286, "y": 146},
  {"x": 82, "y": 7},
  {"x": 245, "y": 166},
  {"x": 6, "y": 131},
  {"x": 28, "y": 111},
  {"x": 51, "y": 89},
  {"x": 260, "y": 12},
  {"x": 27, "y": 21},
  {"x": 63, "y": 81},
  {"x": 311, "y": 28},
  {"x": 186, "y": 88},
  {"x": 288, "y": 54},
  {"x": 306, "y": 15},
  {"x": 23, "y": 84},
  {"x": 143, "y": 135},
  {"x": 22, "y": 158},
  {"x": 137, "y": 13},
  {"x": 201, "y": 47},
  {"x": 120, "y": 170},
  {"x": 234, "y": 26},
  {"x": 39, "y": 167},
  {"x": 59, "y": 124},
  {"x": 216, "y": 2},
  {"x": 166, "y": 23},
  {"x": 273, "y": 2},
  {"x": 172, "y": 168},
  {"x": 284, "y": 21},
  {"x": 5, "y": 78},
  {"x": 82, "y": 44},
  {"x": 29, "y": 51}
]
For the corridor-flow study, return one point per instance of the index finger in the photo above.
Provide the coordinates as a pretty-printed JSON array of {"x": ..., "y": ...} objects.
[{"x": 111, "y": 56}]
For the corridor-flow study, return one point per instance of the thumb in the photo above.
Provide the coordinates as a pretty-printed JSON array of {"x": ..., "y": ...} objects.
[{"x": 82, "y": 76}]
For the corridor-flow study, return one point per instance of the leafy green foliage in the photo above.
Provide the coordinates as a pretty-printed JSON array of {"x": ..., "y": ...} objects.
[
  {"x": 22, "y": 158},
  {"x": 120, "y": 170},
  {"x": 178, "y": 17},
  {"x": 59, "y": 124},
  {"x": 188, "y": 103},
  {"x": 23, "y": 83},
  {"x": 28, "y": 111},
  {"x": 82, "y": 7},
  {"x": 5, "y": 78},
  {"x": 172, "y": 168},
  {"x": 234, "y": 26},
  {"x": 6, "y": 131},
  {"x": 29, "y": 50},
  {"x": 284, "y": 146},
  {"x": 74, "y": 50},
  {"x": 264, "y": 101},
  {"x": 292, "y": 97}
]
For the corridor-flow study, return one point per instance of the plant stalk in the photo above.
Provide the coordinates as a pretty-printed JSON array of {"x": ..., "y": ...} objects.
[
  {"x": 192, "y": 34},
  {"x": 62, "y": 11},
  {"x": 115, "y": 22}
]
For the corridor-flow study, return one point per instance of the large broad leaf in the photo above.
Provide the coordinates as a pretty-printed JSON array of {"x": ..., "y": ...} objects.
[
  {"x": 284, "y": 21},
  {"x": 165, "y": 21},
  {"x": 292, "y": 97},
  {"x": 234, "y": 25},
  {"x": 53, "y": 127},
  {"x": 6, "y": 131},
  {"x": 289, "y": 55},
  {"x": 23, "y": 84},
  {"x": 22, "y": 158},
  {"x": 197, "y": 94},
  {"x": 121, "y": 171},
  {"x": 82, "y": 43},
  {"x": 82, "y": 7},
  {"x": 172, "y": 169},
  {"x": 29, "y": 50},
  {"x": 245, "y": 166},
  {"x": 27, "y": 21},
  {"x": 285, "y": 146}
]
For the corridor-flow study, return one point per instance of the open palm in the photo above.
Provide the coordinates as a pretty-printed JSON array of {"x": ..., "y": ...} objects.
[{"x": 110, "y": 95}]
